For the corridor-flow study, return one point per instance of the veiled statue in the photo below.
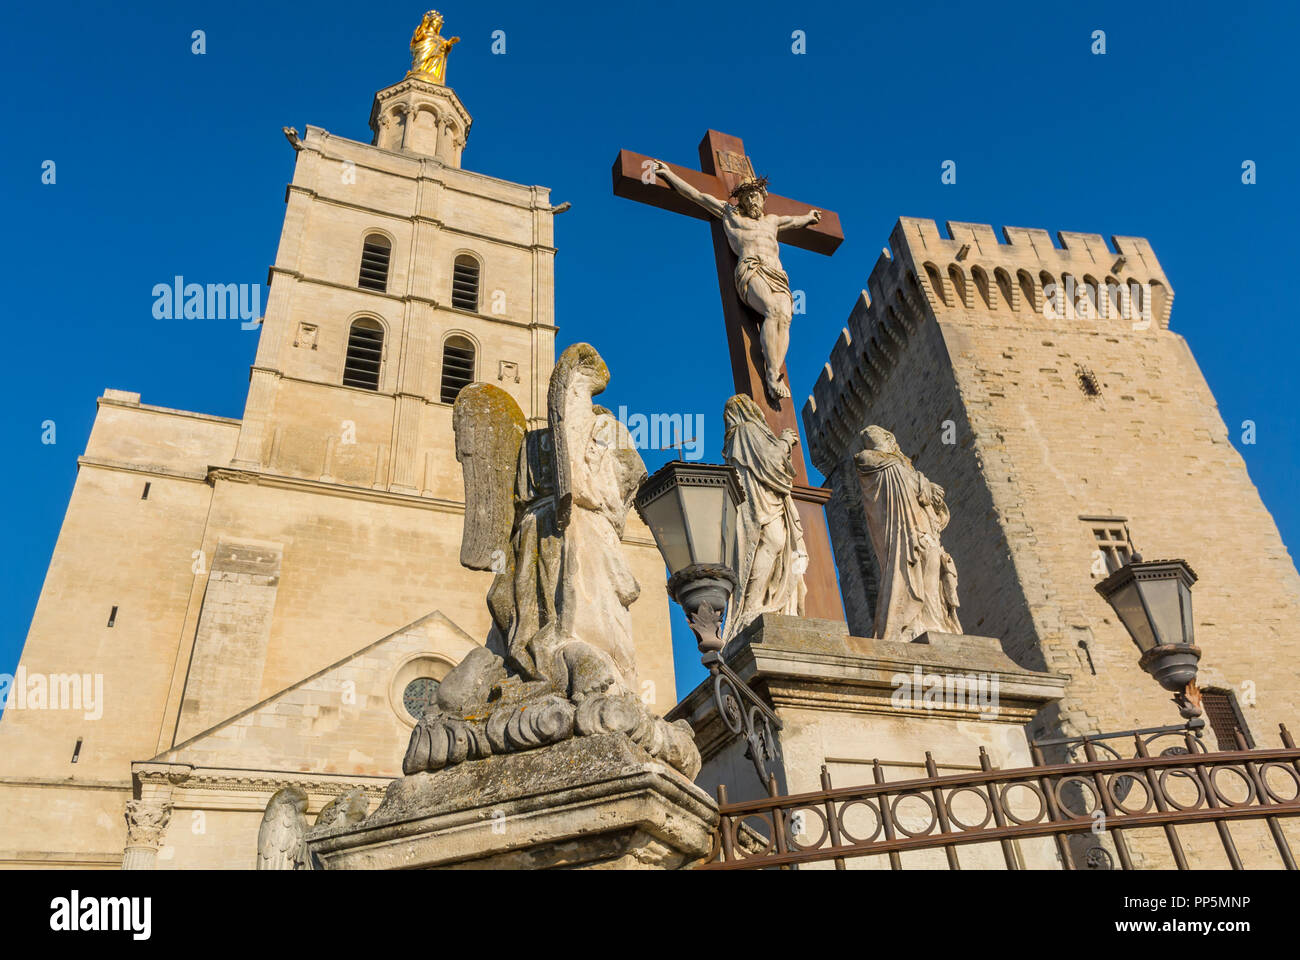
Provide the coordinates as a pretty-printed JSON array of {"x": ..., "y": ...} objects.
[
  {"x": 771, "y": 554},
  {"x": 545, "y": 511},
  {"x": 429, "y": 50},
  {"x": 906, "y": 513}
]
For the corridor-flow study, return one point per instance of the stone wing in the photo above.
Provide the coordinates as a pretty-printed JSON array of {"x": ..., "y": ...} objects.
[
  {"x": 281, "y": 843},
  {"x": 579, "y": 374},
  {"x": 489, "y": 429}
]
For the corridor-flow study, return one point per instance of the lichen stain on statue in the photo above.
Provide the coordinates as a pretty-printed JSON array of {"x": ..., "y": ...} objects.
[
  {"x": 545, "y": 511},
  {"x": 906, "y": 513},
  {"x": 771, "y": 554}
]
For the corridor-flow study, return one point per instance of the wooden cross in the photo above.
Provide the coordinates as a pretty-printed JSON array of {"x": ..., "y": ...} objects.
[{"x": 723, "y": 165}]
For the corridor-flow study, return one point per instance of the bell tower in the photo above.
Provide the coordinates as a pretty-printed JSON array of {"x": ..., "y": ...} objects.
[{"x": 399, "y": 278}]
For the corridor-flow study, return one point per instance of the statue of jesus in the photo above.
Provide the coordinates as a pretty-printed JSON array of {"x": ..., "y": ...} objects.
[{"x": 760, "y": 279}]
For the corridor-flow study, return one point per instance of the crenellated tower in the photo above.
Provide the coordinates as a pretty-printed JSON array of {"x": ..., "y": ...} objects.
[{"x": 1041, "y": 386}]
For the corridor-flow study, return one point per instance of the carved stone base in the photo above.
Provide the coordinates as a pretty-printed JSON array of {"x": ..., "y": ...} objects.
[{"x": 591, "y": 802}]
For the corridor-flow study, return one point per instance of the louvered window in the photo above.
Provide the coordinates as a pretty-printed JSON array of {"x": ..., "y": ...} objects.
[
  {"x": 374, "y": 263},
  {"x": 1224, "y": 714},
  {"x": 464, "y": 283},
  {"x": 457, "y": 367},
  {"x": 365, "y": 353}
]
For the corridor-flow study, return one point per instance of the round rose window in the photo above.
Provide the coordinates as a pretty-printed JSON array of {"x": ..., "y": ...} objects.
[{"x": 419, "y": 696}]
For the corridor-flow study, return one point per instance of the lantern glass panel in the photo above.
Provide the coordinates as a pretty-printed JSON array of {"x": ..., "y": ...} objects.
[
  {"x": 664, "y": 518},
  {"x": 1185, "y": 599},
  {"x": 703, "y": 507},
  {"x": 1127, "y": 603},
  {"x": 1165, "y": 608},
  {"x": 729, "y": 542}
]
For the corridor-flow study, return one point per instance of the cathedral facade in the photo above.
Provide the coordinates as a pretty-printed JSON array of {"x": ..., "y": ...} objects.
[{"x": 271, "y": 600}]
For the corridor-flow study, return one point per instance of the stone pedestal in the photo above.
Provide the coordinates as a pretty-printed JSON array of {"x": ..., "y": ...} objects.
[
  {"x": 589, "y": 802},
  {"x": 847, "y": 702}
]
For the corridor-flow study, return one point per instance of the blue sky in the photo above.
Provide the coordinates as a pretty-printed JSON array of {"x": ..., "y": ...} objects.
[{"x": 172, "y": 163}]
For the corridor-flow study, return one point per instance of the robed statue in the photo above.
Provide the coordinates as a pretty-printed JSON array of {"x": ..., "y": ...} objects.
[
  {"x": 906, "y": 513},
  {"x": 429, "y": 50},
  {"x": 760, "y": 279},
  {"x": 545, "y": 511},
  {"x": 771, "y": 554}
]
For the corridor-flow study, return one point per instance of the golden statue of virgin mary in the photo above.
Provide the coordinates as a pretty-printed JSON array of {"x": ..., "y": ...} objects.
[{"x": 429, "y": 50}]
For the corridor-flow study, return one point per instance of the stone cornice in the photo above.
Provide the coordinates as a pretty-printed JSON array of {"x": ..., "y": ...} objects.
[
  {"x": 275, "y": 480},
  {"x": 148, "y": 469},
  {"x": 185, "y": 780},
  {"x": 410, "y": 298},
  {"x": 441, "y": 224},
  {"x": 114, "y": 785}
]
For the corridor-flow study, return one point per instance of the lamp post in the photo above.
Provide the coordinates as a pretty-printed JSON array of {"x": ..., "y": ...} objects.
[
  {"x": 691, "y": 510},
  {"x": 1153, "y": 599}
]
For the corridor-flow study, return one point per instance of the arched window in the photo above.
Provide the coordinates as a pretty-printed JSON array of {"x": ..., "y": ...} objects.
[
  {"x": 1027, "y": 288},
  {"x": 457, "y": 367},
  {"x": 958, "y": 284},
  {"x": 936, "y": 282},
  {"x": 982, "y": 285},
  {"x": 464, "y": 283},
  {"x": 365, "y": 353},
  {"x": 375, "y": 254},
  {"x": 1004, "y": 287}
]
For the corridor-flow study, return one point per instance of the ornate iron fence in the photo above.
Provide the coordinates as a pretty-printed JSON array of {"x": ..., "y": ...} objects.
[{"x": 1183, "y": 786}]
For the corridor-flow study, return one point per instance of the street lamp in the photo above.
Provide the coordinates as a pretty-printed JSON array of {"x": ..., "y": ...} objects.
[
  {"x": 1153, "y": 599},
  {"x": 691, "y": 510}
]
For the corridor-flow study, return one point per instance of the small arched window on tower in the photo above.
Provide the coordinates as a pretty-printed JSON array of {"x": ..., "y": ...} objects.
[
  {"x": 375, "y": 254},
  {"x": 464, "y": 283},
  {"x": 365, "y": 354},
  {"x": 457, "y": 367}
]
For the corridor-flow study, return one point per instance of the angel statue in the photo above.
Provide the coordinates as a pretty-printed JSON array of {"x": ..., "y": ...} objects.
[
  {"x": 282, "y": 837},
  {"x": 771, "y": 553},
  {"x": 545, "y": 511},
  {"x": 906, "y": 513},
  {"x": 429, "y": 50}
]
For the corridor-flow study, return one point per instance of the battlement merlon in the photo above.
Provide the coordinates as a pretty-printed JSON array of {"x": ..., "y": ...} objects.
[
  {"x": 971, "y": 248},
  {"x": 927, "y": 275}
]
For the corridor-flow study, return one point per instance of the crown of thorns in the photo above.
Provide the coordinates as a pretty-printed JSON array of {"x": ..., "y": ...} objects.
[{"x": 750, "y": 185}]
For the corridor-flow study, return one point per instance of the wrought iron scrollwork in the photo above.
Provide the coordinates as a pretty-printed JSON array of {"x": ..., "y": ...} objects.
[{"x": 745, "y": 714}]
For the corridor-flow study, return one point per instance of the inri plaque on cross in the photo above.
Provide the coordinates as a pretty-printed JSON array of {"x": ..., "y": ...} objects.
[{"x": 724, "y": 167}]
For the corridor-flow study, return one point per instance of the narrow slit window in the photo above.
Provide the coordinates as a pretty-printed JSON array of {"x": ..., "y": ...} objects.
[
  {"x": 365, "y": 355},
  {"x": 1088, "y": 382},
  {"x": 112, "y": 616},
  {"x": 464, "y": 283},
  {"x": 76, "y": 750},
  {"x": 375, "y": 254},
  {"x": 457, "y": 367},
  {"x": 145, "y": 495}
]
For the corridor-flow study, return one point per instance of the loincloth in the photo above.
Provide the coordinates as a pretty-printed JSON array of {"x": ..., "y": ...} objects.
[{"x": 750, "y": 267}]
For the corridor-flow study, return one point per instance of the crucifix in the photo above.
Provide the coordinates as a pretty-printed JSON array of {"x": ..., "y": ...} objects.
[{"x": 754, "y": 302}]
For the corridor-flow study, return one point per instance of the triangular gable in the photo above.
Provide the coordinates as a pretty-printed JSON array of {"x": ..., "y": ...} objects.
[{"x": 347, "y": 718}]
